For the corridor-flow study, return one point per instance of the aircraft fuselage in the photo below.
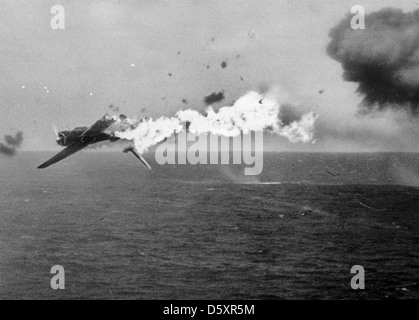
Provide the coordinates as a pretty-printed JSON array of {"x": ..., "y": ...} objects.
[
  {"x": 81, "y": 137},
  {"x": 67, "y": 138}
]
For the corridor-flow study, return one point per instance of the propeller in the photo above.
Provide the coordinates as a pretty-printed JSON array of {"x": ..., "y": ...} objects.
[{"x": 54, "y": 127}]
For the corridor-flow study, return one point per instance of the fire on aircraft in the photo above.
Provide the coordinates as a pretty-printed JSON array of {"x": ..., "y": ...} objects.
[{"x": 81, "y": 137}]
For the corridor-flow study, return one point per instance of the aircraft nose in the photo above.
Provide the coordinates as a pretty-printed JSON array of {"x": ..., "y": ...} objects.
[{"x": 60, "y": 140}]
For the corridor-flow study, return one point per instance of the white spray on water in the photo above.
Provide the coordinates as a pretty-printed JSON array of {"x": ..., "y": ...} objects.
[{"x": 252, "y": 112}]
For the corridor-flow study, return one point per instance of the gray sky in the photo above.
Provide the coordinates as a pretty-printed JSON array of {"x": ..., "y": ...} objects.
[{"x": 264, "y": 42}]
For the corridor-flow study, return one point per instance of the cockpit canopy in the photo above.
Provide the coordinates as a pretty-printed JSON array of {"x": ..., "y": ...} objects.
[{"x": 80, "y": 129}]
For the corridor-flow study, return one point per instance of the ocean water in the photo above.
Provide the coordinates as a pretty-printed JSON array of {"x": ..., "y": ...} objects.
[{"x": 209, "y": 232}]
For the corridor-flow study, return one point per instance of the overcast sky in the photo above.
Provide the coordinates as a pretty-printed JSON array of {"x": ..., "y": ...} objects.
[{"x": 122, "y": 52}]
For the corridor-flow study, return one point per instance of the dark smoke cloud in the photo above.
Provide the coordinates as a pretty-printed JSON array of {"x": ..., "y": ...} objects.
[
  {"x": 214, "y": 97},
  {"x": 383, "y": 58},
  {"x": 15, "y": 141},
  {"x": 7, "y": 151},
  {"x": 12, "y": 143}
]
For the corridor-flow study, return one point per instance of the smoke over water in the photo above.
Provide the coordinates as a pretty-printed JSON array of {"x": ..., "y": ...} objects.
[
  {"x": 251, "y": 112},
  {"x": 383, "y": 58},
  {"x": 12, "y": 143}
]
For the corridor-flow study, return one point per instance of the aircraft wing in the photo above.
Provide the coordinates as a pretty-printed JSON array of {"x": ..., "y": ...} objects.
[
  {"x": 138, "y": 156},
  {"x": 99, "y": 126},
  {"x": 65, "y": 153},
  {"x": 143, "y": 161}
]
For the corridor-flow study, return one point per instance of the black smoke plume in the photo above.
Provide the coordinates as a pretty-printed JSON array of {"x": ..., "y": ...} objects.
[
  {"x": 214, "y": 97},
  {"x": 12, "y": 143},
  {"x": 383, "y": 58}
]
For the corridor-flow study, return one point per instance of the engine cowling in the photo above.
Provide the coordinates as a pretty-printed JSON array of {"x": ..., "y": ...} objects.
[{"x": 66, "y": 138}]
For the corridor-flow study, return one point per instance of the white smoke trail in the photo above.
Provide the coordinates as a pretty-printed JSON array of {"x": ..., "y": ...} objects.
[{"x": 252, "y": 112}]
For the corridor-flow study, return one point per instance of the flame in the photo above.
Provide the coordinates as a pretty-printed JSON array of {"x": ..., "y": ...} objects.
[{"x": 252, "y": 112}]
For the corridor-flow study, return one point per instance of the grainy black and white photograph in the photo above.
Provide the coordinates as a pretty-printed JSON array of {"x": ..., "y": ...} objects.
[{"x": 209, "y": 150}]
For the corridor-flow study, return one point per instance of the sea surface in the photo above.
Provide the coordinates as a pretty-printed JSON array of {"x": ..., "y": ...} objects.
[{"x": 207, "y": 231}]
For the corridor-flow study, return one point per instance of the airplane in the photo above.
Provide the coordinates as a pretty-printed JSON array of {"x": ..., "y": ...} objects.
[{"x": 81, "y": 137}]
